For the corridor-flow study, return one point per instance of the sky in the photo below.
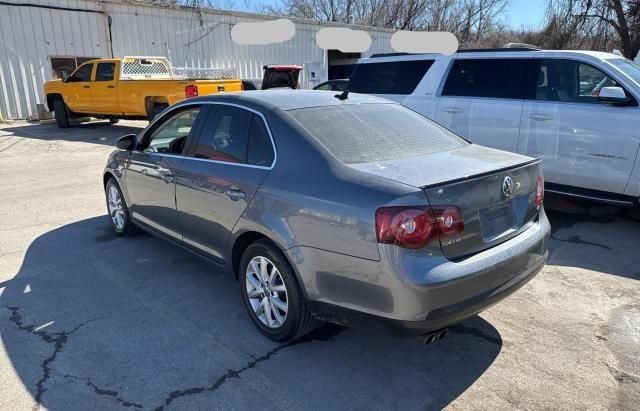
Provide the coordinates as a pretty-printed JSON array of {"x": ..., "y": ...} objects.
[{"x": 525, "y": 12}]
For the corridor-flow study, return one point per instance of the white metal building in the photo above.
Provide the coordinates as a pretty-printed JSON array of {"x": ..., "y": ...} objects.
[{"x": 40, "y": 38}]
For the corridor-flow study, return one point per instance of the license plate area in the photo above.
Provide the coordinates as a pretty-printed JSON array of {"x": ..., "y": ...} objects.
[{"x": 496, "y": 221}]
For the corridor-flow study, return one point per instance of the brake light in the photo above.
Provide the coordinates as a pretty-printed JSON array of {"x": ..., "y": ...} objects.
[
  {"x": 242, "y": 86},
  {"x": 191, "y": 91},
  {"x": 539, "y": 196},
  {"x": 415, "y": 227}
]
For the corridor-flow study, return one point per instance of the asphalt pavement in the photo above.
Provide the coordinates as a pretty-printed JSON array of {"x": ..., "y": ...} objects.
[{"x": 89, "y": 320}]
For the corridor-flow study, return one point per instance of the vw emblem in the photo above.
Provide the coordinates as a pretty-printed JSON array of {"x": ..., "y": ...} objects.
[{"x": 507, "y": 186}]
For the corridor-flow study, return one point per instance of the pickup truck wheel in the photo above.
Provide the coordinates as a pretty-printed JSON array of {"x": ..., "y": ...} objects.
[
  {"x": 62, "y": 114},
  {"x": 157, "y": 109},
  {"x": 114, "y": 120}
]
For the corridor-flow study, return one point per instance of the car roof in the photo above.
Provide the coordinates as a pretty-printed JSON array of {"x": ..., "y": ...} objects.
[{"x": 290, "y": 99}]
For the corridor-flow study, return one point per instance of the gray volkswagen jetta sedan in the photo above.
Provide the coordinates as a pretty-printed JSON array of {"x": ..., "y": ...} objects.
[{"x": 343, "y": 208}]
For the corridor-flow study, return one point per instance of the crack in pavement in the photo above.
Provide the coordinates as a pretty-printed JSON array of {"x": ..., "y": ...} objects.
[
  {"x": 623, "y": 377},
  {"x": 316, "y": 335},
  {"x": 105, "y": 392},
  {"x": 58, "y": 339}
]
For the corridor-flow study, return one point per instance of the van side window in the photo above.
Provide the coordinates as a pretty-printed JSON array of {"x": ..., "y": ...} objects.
[
  {"x": 570, "y": 81},
  {"x": 224, "y": 135},
  {"x": 396, "y": 77},
  {"x": 492, "y": 78}
]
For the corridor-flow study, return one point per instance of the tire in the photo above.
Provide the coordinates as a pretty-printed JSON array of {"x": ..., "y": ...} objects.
[
  {"x": 62, "y": 114},
  {"x": 121, "y": 222},
  {"x": 297, "y": 320},
  {"x": 113, "y": 120},
  {"x": 156, "y": 110}
]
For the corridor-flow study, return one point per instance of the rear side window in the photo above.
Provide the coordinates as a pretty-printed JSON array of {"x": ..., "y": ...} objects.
[
  {"x": 105, "y": 71},
  {"x": 493, "y": 78},
  {"x": 224, "y": 135},
  {"x": 260, "y": 149},
  {"x": 360, "y": 133},
  {"x": 396, "y": 77}
]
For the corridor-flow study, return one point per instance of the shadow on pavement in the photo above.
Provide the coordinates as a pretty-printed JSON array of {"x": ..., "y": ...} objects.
[
  {"x": 95, "y": 321},
  {"x": 95, "y": 132},
  {"x": 594, "y": 236}
]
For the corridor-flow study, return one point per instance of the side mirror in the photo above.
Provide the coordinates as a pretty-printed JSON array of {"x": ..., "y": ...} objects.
[
  {"x": 614, "y": 95},
  {"x": 126, "y": 143}
]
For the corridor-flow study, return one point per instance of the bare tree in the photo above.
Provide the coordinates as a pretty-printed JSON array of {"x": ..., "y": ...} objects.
[{"x": 623, "y": 16}]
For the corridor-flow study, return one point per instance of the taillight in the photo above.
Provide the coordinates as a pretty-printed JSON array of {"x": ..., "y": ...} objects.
[
  {"x": 539, "y": 197},
  {"x": 191, "y": 91},
  {"x": 415, "y": 227}
]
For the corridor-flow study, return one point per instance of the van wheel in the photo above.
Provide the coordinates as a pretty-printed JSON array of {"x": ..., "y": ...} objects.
[
  {"x": 272, "y": 295},
  {"x": 62, "y": 114},
  {"x": 114, "y": 120},
  {"x": 157, "y": 109}
]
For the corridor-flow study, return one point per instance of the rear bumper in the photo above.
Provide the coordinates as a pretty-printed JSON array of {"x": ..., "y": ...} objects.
[
  {"x": 437, "y": 319},
  {"x": 416, "y": 289}
]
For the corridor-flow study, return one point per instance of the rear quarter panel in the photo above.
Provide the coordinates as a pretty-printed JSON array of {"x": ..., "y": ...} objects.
[{"x": 311, "y": 200}]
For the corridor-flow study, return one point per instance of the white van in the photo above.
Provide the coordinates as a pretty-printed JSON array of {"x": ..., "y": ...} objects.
[{"x": 577, "y": 110}]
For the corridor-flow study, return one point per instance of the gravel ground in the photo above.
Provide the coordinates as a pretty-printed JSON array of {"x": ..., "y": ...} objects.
[{"x": 92, "y": 321}]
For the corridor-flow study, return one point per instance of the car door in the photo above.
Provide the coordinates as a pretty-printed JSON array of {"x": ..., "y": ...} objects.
[
  {"x": 224, "y": 168},
  {"x": 103, "y": 90},
  {"x": 482, "y": 100},
  {"x": 77, "y": 90},
  {"x": 151, "y": 170},
  {"x": 582, "y": 141}
]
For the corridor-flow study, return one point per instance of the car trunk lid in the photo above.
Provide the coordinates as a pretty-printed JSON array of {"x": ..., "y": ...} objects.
[{"x": 494, "y": 191}]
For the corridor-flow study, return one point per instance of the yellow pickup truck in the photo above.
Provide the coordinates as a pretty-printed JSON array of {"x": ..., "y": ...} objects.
[{"x": 131, "y": 87}]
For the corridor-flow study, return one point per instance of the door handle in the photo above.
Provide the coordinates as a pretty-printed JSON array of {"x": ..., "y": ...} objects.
[
  {"x": 540, "y": 117},
  {"x": 452, "y": 110},
  {"x": 110, "y": 86},
  {"x": 235, "y": 193},
  {"x": 86, "y": 86}
]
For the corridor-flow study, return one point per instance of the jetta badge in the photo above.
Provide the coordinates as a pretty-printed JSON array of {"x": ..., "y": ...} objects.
[{"x": 507, "y": 186}]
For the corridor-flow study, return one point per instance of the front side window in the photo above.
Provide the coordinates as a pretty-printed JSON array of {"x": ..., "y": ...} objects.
[
  {"x": 83, "y": 73},
  {"x": 105, "y": 71},
  {"x": 170, "y": 136},
  {"x": 360, "y": 133},
  {"x": 570, "y": 81},
  {"x": 489, "y": 78},
  {"x": 396, "y": 77}
]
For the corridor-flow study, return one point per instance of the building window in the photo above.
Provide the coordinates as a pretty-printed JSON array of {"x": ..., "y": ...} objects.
[{"x": 60, "y": 65}]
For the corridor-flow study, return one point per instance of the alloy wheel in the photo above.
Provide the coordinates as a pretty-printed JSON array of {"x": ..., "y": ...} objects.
[
  {"x": 116, "y": 208},
  {"x": 267, "y": 292}
]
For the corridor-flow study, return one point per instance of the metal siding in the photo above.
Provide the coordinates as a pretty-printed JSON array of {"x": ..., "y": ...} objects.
[{"x": 31, "y": 36}]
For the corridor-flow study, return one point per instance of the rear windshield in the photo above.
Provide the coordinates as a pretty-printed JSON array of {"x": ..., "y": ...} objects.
[
  {"x": 395, "y": 77},
  {"x": 361, "y": 133}
]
